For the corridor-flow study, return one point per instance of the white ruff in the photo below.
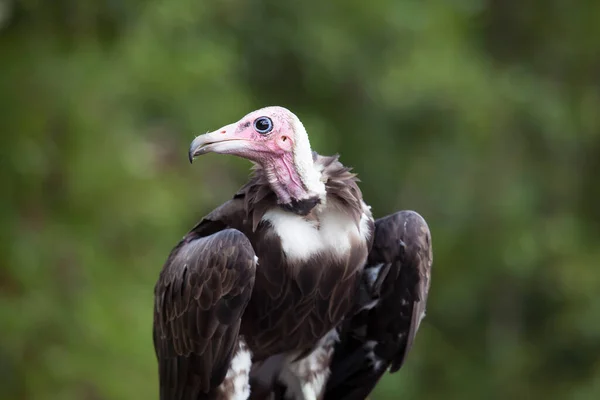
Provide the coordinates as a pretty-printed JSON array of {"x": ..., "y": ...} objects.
[
  {"x": 239, "y": 373},
  {"x": 306, "y": 378},
  {"x": 365, "y": 218},
  {"x": 303, "y": 161},
  {"x": 302, "y": 239}
]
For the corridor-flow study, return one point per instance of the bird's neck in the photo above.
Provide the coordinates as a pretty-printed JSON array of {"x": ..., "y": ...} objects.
[
  {"x": 296, "y": 182},
  {"x": 294, "y": 177}
]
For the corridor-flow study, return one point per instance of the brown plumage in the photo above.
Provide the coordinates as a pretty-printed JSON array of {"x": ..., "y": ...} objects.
[
  {"x": 290, "y": 281},
  {"x": 201, "y": 294},
  {"x": 391, "y": 304},
  {"x": 313, "y": 295},
  {"x": 292, "y": 306}
]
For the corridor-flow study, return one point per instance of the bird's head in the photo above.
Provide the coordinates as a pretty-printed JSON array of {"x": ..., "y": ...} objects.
[{"x": 276, "y": 139}]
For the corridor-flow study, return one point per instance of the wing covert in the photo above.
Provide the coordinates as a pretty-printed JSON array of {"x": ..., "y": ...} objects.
[
  {"x": 200, "y": 297},
  {"x": 391, "y": 303}
]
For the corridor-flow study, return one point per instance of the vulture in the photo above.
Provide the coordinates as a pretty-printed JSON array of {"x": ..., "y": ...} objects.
[{"x": 290, "y": 289}]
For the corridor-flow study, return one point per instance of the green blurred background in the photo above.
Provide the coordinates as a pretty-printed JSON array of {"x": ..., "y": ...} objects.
[{"x": 481, "y": 115}]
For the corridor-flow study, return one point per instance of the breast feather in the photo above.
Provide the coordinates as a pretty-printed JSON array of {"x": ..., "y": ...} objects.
[{"x": 301, "y": 239}]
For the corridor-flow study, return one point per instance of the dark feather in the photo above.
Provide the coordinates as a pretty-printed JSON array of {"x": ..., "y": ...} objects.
[
  {"x": 210, "y": 290},
  {"x": 302, "y": 207},
  {"x": 201, "y": 293},
  {"x": 288, "y": 297},
  {"x": 391, "y": 302}
]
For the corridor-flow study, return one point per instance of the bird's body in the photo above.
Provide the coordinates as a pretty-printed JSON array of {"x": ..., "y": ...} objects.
[
  {"x": 295, "y": 296},
  {"x": 253, "y": 300}
]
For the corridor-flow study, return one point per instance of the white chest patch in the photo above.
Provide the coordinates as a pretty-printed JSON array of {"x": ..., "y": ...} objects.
[{"x": 302, "y": 239}]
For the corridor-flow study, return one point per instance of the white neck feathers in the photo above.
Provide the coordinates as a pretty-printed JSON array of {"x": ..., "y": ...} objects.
[{"x": 303, "y": 161}]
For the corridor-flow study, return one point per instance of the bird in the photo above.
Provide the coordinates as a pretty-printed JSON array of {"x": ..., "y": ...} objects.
[{"x": 290, "y": 289}]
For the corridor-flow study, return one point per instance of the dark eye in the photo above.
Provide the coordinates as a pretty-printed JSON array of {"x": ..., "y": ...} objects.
[{"x": 263, "y": 125}]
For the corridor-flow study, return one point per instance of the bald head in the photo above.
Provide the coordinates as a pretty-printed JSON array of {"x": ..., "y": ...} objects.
[{"x": 275, "y": 138}]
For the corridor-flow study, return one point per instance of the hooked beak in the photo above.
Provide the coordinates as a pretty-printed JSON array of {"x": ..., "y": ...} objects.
[{"x": 223, "y": 141}]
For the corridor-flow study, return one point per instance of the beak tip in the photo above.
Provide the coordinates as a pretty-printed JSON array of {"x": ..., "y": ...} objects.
[{"x": 193, "y": 150}]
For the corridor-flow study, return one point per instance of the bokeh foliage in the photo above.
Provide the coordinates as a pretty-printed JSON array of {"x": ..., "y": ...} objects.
[{"x": 481, "y": 115}]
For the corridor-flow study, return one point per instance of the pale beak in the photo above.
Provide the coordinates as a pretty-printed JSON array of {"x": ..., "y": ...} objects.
[{"x": 223, "y": 141}]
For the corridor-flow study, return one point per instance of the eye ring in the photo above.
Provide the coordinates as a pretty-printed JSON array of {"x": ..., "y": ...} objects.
[{"x": 263, "y": 125}]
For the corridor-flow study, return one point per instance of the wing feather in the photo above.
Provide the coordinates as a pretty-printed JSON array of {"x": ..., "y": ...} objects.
[
  {"x": 391, "y": 303},
  {"x": 200, "y": 296}
]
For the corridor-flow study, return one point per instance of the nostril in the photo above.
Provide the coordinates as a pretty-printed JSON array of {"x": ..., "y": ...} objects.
[{"x": 223, "y": 131}]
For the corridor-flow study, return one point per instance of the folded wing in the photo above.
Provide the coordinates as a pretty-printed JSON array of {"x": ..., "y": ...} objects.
[
  {"x": 390, "y": 306},
  {"x": 200, "y": 296}
]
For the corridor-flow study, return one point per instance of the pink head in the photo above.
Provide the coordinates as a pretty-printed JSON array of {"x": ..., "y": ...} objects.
[{"x": 276, "y": 139}]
